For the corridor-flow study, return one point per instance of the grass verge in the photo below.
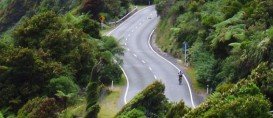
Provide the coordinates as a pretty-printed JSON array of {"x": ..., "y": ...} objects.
[
  {"x": 196, "y": 86},
  {"x": 77, "y": 110},
  {"x": 109, "y": 105}
]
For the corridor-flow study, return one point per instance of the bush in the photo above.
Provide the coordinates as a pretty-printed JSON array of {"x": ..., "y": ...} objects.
[
  {"x": 64, "y": 84},
  {"x": 178, "y": 110},
  {"x": 151, "y": 101},
  {"x": 262, "y": 76},
  {"x": 1, "y": 115},
  {"x": 204, "y": 63},
  {"x": 135, "y": 113},
  {"x": 40, "y": 108},
  {"x": 243, "y": 100}
]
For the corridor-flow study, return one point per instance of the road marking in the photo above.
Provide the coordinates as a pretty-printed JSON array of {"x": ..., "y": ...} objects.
[
  {"x": 149, "y": 43},
  {"x": 125, "y": 43},
  {"x": 127, "y": 87},
  {"x": 126, "y": 39},
  {"x": 135, "y": 55},
  {"x": 127, "y": 80},
  {"x": 155, "y": 77},
  {"x": 128, "y": 49},
  {"x": 143, "y": 61},
  {"x": 127, "y": 20},
  {"x": 150, "y": 68}
]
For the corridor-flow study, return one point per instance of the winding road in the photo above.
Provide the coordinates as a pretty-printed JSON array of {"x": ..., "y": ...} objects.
[{"x": 142, "y": 65}]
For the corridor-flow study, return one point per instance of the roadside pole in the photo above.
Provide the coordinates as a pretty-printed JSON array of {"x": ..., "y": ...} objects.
[
  {"x": 112, "y": 85},
  {"x": 185, "y": 53},
  {"x": 207, "y": 89},
  {"x": 102, "y": 19}
]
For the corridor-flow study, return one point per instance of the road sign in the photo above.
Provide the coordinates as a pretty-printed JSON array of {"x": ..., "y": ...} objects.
[{"x": 102, "y": 19}]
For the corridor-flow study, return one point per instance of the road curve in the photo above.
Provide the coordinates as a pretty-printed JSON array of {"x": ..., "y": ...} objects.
[{"x": 142, "y": 65}]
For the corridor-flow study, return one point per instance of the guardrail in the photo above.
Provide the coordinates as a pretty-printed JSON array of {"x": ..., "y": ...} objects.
[{"x": 124, "y": 17}]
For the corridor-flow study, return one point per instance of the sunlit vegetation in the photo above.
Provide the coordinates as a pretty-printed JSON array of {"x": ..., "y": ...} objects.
[
  {"x": 243, "y": 100},
  {"x": 228, "y": 39},
  {"x": 230, "y": 50}
]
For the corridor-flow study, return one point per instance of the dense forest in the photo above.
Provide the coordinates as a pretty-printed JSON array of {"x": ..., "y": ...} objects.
[{"x": 53, "y": 55}]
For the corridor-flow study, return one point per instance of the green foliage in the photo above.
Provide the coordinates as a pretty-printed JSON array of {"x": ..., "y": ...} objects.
[
  {"x": 54, "y": 55},
  {"x": 235, "y": 36},
  {"x": 33, "y": 30},
  {"x": 262, "y": 76},
  {"x": 151, "y": 101},
  {"x": 109, "y": 8},
  {"x": 160, "y": 4},
  {"x": 92, "y": 108},
  {"x": 242, "y": 100},
  {"x": 178, "y": 110},
  {"x": 135, "y": 113},
  {"x": 40, "y": 107},
  {"x": 1, "y": 115},
  {"x": 64, "y": 84},
  {"x": 25, "y": 77},
  {"x": 13, "y": 11},
  {"x": 204, "y": 63}
]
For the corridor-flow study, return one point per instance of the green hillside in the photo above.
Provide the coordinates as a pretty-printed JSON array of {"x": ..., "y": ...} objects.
[
  {"x": 227, "y": 39},
  {"x": 12, "y": 11}
]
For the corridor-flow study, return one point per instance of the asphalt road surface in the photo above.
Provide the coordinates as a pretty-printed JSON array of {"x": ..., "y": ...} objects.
[{"x": 142, "y": 65}]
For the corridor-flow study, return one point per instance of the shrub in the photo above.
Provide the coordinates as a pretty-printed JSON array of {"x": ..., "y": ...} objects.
[
  {"x": 135, "y": 113},
  {"x": 178, "y": 110},
  {"x": 243, "y": 100},
  {"x": 151, "y": 100},
  {"x": 64, "y": 84},
  {"x": 1, "y": 115},
  {"x": 40, "y": 108},
  {"x": 204, "y": 63}
]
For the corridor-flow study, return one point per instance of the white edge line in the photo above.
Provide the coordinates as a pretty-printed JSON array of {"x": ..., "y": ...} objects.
[
  {"x": 127, "y": 87},
  {"x": 172, "y": 65},
  {"x": 155, "y": 77},
  {"x": 128, "y": 84},
  {"x": 127, "y": 19}
]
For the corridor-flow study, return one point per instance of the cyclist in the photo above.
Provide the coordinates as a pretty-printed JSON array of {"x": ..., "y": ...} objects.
[{"x": 180, "y": 73}]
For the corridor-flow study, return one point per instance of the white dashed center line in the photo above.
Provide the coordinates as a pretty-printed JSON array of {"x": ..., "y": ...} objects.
[
  {"x": 143, "y": 61},
  {"x": 135, "y": 55},
  {"x": 150, "y": 68}
]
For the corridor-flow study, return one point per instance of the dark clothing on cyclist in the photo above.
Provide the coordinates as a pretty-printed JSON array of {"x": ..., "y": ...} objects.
[{"x": 180, "y": 77}]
